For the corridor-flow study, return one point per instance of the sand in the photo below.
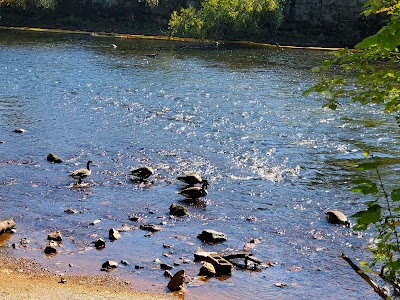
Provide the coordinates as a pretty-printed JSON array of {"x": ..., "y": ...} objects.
[{"x": 24, "y": 279}]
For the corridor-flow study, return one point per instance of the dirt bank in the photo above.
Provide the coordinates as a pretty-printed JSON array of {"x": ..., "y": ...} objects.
[{"x": 23, "y": 279}]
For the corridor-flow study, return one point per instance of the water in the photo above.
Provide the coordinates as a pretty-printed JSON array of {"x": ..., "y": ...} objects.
[{"x": 276, "y": 160}]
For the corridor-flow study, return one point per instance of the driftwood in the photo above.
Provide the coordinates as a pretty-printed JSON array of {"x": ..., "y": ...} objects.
[
  {"x": 6, "y": 225},
  {"x": 381, "y": 292}
]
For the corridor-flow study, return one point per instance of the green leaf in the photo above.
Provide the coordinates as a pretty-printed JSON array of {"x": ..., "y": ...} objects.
[
  {"x": 368, "y": 166},
  {"x": 366, "y": 217},
  {"x": 365, "y": 187},
  {"x": 395, "y": 195}
]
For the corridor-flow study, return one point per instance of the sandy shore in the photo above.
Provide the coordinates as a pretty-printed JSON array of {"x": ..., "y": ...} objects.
[{"x": 23, "y": 279}]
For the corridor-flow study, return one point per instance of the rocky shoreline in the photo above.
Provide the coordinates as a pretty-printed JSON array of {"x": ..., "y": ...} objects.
[{"x": 22, "y": 278}]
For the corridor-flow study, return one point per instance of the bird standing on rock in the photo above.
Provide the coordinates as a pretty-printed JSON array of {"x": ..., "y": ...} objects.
[
  {"x": 142, "y": 172},
  {"x": 82, "y": 173},
  {"x": 195, "y": 192}
]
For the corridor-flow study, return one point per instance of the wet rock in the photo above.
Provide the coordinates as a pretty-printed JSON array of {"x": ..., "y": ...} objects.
[
  {"x": 166, "y": 266},
  {"x": 124, "y": 262},
  {"x": 177, "y": 210},
  {"x": 137, "y": 267},
  {"x": 24, "y": 242},
  {"x": 114, "y": 234},
  {"x": 55, "y": 236},
  {"x": 51, "y": 248},
  {"x": 167, "y": 274},
  {"x": 177, "y": 281},
  {"x": 135, "y": 218},
  {"x": 207, "y": 270},
  {"x": 95, "y": 222},
  {"x": 150, "y": 227},
  {"x": 212, "y": 236},
  {"x": 109, "y": 265},
  {"x": 71, "y": 211},
  {"x": 19, "y": 130},
  {"x": 54, "y": 158},
  {"x": 100, "y": 244},
  {"x": 167, "y": 246}
]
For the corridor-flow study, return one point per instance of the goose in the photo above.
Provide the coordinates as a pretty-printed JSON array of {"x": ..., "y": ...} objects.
[
  {"x": 142, "y": 172},
  {"x": 195, "y": 192},
  {"x": 191, "y": 179},
  {"x": 82, "y": 173}
]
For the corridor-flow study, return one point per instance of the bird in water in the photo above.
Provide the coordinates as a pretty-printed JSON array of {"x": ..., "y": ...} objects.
[
  {"x": 337, "y": 217},
  {"x": 82, "y": 173},
  {"x": 195, "y": 192},
  {"x": 191, "y": 179},
  {"x": 142, "y": 172}
]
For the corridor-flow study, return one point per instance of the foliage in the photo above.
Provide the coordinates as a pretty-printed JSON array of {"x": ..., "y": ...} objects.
[
  {"x": 226, "y": 18},
  {"x": 371, "y": 75},
  {"x": 25, "y": 4}
]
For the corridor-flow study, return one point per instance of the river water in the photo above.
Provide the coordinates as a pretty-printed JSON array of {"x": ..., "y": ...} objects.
[{"x": 275, "y": 160}]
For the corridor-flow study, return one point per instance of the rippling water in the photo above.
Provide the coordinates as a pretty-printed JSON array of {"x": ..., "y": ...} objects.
[{"x": 275, "y": 159}]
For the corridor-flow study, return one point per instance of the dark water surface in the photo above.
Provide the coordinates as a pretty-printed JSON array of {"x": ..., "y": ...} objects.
[{"x": 275, "y": 159}]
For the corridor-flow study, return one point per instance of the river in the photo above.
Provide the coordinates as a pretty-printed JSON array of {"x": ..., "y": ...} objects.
[{"x": 275, "y": 160}]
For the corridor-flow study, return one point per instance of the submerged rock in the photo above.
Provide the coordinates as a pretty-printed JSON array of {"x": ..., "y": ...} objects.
[
  {"x": 212, "y": 236},
  {"x": 177, "y": 210}
]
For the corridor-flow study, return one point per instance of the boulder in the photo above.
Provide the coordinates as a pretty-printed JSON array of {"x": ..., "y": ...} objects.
[
  {"x": 212, "y": 236},
  {"x": 100, "y": 244},
  {"x": 51, "y": 248},
  {"x": 207, "y": 270},
  {"x": 109, "y": 265},
  {"x": 177, "y": 210},
  {"x": 150, "y": 227},
  {"x": 177, "y": 281},
  {"x": 54, "y": 158}
]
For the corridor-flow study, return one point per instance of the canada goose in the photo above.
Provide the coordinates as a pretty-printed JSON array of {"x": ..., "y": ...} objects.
[
  {"x": 82, "y": 173},
  {"x": 195, "y": 192},
  {"x": 337, "y": 217},
  {"x": 191, "y": 179},
  {"x": 142, "y": 172}
]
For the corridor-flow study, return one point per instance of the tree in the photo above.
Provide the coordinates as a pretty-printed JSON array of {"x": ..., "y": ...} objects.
[
  {"x": 370, "y": 75},
  {"x": 226, "y": 19}
]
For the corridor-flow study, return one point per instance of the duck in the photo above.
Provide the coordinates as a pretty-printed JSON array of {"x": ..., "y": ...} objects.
[
  {"x": 191, "y": 179},
  {"x": 195, "y": 192},
  {"x": 82, "y": 173},
  {"x": 142, "y": 172}
]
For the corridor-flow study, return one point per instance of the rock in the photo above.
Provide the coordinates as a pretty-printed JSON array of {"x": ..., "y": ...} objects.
[
  {"x": 95, "y": 222},
  {"x": 178, "y": 210},
  {"x": 166, "y": 266},
  {"x": 167, "y": 274},
  {"x": 109, "y": 265},
  {"x": 177, "y": 281},
  {"x": 51, "y": 248},
  {"x": 54, "y": 158},
  {"x": 114, "y": 234},
  {"x": 207, "y": 270},
  {"x": 167, "y": 246},
  {"x": 124, "y": 262},
  {"x": 135, "y": 218},
  {"x": 100, "y": 244},
  {"x": 19, "y": 130},
  {"x": 55, "y": 236},
  {"x": 137, "y": 267},
  {"x": 212, "y": 236},
  {"x": 71, "y": 211},
  {"x": 150, "y": 227}
]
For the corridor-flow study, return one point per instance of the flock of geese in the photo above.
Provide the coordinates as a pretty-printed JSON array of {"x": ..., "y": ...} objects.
[{"x": 191, "y": 192}]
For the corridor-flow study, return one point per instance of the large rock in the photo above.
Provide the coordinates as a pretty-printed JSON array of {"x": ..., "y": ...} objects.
[
  {"x": 177, "y": 210},
  {"x": 177, "y": 281},
  {"x": 51, "y": 248},
  {"x": 109, "y": 265},
  {"x": 150, "y": 227},
  {"x": 114, "y": 234},
  {"x": 55, "y": 236},
  {"x": 54, "y": 158},
  {"x": 207, "y": 269},
  {"x": 212, "y": 236}
]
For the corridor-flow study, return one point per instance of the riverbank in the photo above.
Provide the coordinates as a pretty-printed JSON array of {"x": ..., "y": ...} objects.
[{"x": 22, "y": 278}]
